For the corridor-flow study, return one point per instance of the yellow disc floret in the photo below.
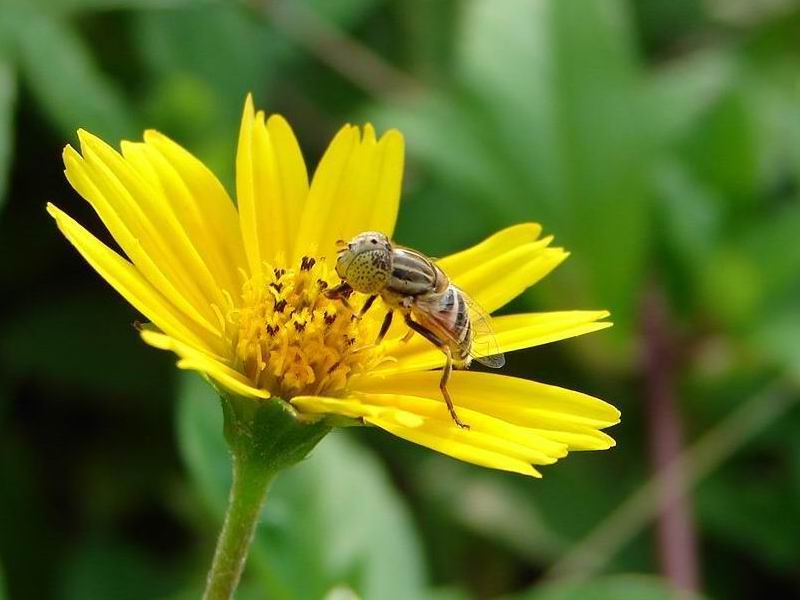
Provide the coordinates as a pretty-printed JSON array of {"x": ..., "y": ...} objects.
[{"x": 290, "y": 338}]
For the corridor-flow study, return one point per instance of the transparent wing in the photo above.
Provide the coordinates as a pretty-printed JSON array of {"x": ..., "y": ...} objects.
[{"x": 484, "y": 347}]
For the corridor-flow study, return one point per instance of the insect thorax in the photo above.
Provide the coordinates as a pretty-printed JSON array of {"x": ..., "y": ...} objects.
[{"x": 413, "y": 274}]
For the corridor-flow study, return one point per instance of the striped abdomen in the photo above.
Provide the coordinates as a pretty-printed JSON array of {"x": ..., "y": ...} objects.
[{"x": 447, "y": 315}]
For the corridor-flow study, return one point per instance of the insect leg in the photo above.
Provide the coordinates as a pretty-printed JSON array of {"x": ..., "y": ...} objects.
[
  {"x": 341, "y": 292},
  {"x": 367, "y": 305},
  {"x": 387, "y": 322},
  {"x": 448, "y": 366}
]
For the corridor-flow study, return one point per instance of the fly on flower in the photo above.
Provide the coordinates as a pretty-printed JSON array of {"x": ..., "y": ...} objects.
[
  {"x": 241, "y": 292},
  {"x": 410, "y": 282}
]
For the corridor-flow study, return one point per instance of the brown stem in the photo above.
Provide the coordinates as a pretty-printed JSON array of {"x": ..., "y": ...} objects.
[{"x": 675, "y": 534}]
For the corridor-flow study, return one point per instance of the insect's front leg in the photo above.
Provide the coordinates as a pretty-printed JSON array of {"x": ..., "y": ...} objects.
[
  {"x": 367, "y": 305},
  {"x": 341, "y": 292},
  {"x": 448, "y": 367}
]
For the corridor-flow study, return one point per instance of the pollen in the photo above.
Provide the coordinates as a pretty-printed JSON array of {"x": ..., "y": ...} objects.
[{"x": 289, "y": 338}]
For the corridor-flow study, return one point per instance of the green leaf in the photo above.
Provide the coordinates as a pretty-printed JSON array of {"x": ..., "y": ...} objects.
[
  {"x": 333, "y": 519},
  {"x": 175, "y": 44},
  {"x": 428, "y": 30},
  {"x": 194, "y": 94},
  {"x": 775, "y": 337},
  {"x": 341, "y": 593},
  {"x": 754, "y": 276},
  {"x": 65, "y": 80},
  {"x": 618, "y": 587},
  {"x": 8, "y": 90},
  {"x": 344, "y": 13},
  {"x": 579, "y": 135},
  {"x": 722, "y": 149},
  {"x": 488, "y": 504},
  {"x": 197, "y": 94},
  {"x": 689, "y": 213},
  {"x": 680, "y": 93},
  {"x": 71, "y": 6},
  {"x": 691, "y": 226},
  {"x": 737, "y": 519}
]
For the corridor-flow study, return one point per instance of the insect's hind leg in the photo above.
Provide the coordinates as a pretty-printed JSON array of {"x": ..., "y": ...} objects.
[
  {"x": 448, "y": 369},
  {"x": 448, "y": 366}
]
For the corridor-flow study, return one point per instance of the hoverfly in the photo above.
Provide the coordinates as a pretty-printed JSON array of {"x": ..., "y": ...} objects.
[{"x": 411, "y": 283}]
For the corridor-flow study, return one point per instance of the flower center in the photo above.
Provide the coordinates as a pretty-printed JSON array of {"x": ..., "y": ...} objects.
[{"x": 291, "y": 339}]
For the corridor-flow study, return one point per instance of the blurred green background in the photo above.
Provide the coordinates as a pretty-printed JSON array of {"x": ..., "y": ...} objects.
[{"x": 659, "y": 140}]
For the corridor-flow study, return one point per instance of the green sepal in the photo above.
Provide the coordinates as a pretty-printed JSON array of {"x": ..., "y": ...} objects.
[{"x": 269, "y": 432}]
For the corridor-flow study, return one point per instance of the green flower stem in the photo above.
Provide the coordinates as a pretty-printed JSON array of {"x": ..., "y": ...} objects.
[
  {"x": 264, "y": 437},
  {"x": 248, "y": 492}
]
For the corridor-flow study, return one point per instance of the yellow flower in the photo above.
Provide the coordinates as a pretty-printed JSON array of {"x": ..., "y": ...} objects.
[{"x": 237, "y": 295}]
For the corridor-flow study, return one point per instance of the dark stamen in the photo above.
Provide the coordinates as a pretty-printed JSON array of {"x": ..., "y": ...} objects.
[
  {"x": 280, "y": 305},
  {"x": 307, "y": 263}
]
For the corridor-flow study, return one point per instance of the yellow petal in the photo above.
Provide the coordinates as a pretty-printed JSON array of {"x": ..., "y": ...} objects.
[
  {"x": 504, "y": 240},
  {"x": 355, "y": 188},
  {"x": 292, "y": 176},
  {"x": 153, "y": 213},
  {"x": 511, "y": 332},
  {"x": 524, "y": 442},
  {"x": 457, "y": 446},
  {"x": 210, "y": 365},
  {"x": 187, "y": 221},
  {"x": 503, "y": 266},
  {"x": 558, "y": 414},
  {"x": 210, "y": 212},
  {"x": 144, "y": 227},
  {"x": 350, "y": 407},
  {"x": 271, "y": 186},
  {"x": 124, "y": 278},
  {"x": 426, "y": 422}
]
